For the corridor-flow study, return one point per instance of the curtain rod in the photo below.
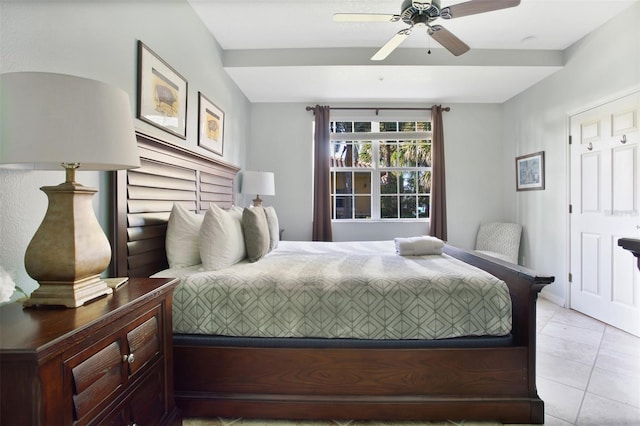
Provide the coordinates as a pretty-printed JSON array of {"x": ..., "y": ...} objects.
[{"x": 447, "y": 109}]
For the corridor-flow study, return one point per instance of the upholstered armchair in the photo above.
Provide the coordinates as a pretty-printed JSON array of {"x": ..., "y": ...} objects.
[{"x": 501, "y": 240}]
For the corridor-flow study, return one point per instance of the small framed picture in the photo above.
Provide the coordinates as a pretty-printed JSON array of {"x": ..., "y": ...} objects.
[
  {"x": 210, "y": 125},
  {"x": 162, "y": 93},
  {"x": 530, "y": 172}
]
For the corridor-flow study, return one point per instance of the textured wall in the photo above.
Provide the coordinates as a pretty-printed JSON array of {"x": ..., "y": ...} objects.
[{"x": 98, "y": 40}]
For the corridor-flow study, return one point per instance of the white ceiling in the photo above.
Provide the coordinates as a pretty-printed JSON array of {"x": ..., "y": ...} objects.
[{"x": 292, "y": 51}]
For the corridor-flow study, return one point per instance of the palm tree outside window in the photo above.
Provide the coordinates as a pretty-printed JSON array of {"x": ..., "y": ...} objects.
[{"x": 380, "y": 170}]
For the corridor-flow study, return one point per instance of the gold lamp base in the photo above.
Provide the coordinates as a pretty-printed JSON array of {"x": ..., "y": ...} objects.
[
  {"x": 257, "y": 202},
  {"x": 69, "y": 250},
  {"x": 70, "y": 295}
]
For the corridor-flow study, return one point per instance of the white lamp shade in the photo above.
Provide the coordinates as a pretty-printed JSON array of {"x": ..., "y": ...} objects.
[
  {"x": 259, "y": 183},
  {"x": 47, "y": 119}
]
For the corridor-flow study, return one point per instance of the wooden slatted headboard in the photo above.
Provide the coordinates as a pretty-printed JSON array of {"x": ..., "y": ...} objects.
[{"x": 144, "y": 197}]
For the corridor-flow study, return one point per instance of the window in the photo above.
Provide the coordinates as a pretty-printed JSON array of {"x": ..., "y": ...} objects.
[{"x": 380, "y": 170}]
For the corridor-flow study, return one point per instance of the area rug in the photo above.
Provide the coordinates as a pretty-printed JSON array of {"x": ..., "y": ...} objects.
[{"x": 247, "y": 422}]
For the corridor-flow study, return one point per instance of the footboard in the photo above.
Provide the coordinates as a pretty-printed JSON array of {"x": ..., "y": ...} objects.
[
  {"x": 380, "y": 384},
  {"x": 435, "y": 383}
]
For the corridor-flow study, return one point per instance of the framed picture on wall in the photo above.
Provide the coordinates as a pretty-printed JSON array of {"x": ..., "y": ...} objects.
[
  {"x": 530, "y": 172},
  {"x": 162, "y": 93},
  {"x": 210, "y": 125}
]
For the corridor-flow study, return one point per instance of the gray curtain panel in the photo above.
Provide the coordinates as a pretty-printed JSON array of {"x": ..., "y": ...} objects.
[
  {"x": 438, "y": 185},
  {"x": 321, "y": 194}
]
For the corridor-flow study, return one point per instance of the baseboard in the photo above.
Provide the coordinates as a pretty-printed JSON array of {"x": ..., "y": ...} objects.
[{"x": 556, "y": 300}]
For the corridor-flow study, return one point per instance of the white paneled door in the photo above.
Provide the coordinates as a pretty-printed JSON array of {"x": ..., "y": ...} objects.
[{"x": 605, "y": 191}]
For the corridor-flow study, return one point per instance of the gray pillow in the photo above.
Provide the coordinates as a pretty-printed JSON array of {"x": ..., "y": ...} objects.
[{"x": 256, "y": 233}]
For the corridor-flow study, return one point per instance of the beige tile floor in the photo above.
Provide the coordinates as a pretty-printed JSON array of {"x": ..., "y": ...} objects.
[{"x": 588, "y": 374}]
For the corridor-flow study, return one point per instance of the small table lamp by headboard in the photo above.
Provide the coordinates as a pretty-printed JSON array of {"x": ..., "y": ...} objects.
[
  {"x": 259, "y": 183},
  {"x": 49, "y": 121}
]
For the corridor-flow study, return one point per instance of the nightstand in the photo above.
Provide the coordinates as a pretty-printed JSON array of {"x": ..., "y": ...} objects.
[{"x": 109, "y": 362}]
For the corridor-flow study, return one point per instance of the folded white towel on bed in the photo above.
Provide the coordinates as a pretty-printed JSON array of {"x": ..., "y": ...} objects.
[{"x": 418, "y": 246}]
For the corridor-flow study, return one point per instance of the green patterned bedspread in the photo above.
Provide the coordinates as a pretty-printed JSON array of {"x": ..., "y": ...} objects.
[{"x": 342, "y": 290}]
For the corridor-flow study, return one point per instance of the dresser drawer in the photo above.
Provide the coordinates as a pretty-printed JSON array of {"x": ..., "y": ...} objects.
[
  {"x": 144, "y": 344},
  {"x": 103, "y": 371},
  {"x": 143, "y": 405},
  {"x": 147, "y": 401},
  {"x": 96, "y": 378}
]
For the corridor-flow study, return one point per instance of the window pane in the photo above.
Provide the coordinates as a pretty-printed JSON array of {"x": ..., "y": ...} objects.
[
  {"x": 342, "y": 154},
  {"x": 342, "y": 127},
  {"x": 362, "y": 126},
  {"x": 344, "y": 184},
  {"x": 423, "y": 207},
  {"x": 407, "y": 207},
  {"x": 388, "y": 126},
  {"x": 362, "y": 182},
  {"x": 389, "y": 207},
  {"x": 423, "y": 156},
  {"x": 388, "y": 183},
  {"x": 336, "y": 147},
  {"x": 388, "y": 154},
  {"x": 423, "y": 126},
  {"x": 407, "y": 126},
  {"x": 363, "y": 207},
  {"x": 365, "y": 154},
  {"x": 408, "y": 184},
  {"x": 405, "y": 155},
  {"x": 424, "y": 182},
  {"x": 343, "y": 208},
  {"x": 335, "y": 154}
]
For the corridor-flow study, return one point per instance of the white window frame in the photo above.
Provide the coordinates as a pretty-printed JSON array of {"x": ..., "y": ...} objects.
[{"x": 375, "y": 137}]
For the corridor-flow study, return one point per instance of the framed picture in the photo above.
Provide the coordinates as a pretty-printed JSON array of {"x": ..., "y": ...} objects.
[
  {"x": 162, "y": 93},
  {"x": 530, "y": 172},
  {"x": 210, "y": 125}
]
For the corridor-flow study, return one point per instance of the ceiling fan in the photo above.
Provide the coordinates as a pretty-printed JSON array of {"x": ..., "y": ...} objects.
[{"x": 418, "y": 14}]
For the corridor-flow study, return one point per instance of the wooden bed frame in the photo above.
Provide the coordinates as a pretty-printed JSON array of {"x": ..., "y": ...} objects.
[{"x": 436, "y": 384}]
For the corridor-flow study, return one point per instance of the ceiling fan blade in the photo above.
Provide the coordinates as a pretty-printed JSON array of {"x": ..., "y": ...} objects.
[
  {"x": 476, "y": 6},
  {"x": 365, "y": 17},
  {"x": 449, "y": 41},
  {"x": 391, "y": 45}
]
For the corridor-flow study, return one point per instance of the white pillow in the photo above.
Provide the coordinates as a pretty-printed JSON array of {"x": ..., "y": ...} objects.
[
  {"x": 274, "y": 227},
  {"x": 221, "y": 238},
  {"x": 181, "y": 243}
]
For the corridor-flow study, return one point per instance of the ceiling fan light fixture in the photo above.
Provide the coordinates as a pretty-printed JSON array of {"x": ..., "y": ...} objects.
[{"x": 413, "y": 12}]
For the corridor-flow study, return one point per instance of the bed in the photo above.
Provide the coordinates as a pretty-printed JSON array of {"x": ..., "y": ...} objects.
[{"x": 463, "y": 378}]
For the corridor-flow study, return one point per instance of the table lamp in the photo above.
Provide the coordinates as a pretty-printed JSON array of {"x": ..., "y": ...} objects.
[
  {"x": 258, "y": 183},
  {"x": 51, "y": 121}
]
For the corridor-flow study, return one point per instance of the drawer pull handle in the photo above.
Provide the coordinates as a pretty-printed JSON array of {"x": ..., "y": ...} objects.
[{"x": 129, "y": 358}]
